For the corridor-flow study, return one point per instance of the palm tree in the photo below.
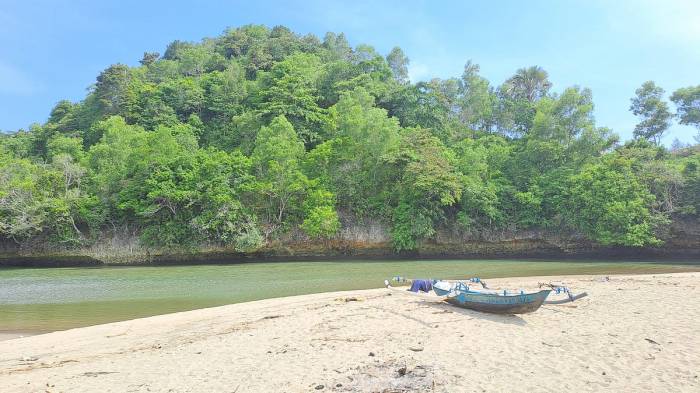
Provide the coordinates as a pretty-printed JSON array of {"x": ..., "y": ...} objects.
[{"x": 529, "y": 83}]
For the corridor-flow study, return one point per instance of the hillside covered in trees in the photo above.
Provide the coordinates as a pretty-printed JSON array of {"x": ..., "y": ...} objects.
[{"x": 261, "y": 137}]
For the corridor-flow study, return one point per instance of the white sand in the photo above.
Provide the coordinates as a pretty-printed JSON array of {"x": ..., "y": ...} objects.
[{"x": 632, "y": 334}]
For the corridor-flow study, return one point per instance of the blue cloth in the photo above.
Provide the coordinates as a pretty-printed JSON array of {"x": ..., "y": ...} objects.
[{"x": 421, "y": 285}]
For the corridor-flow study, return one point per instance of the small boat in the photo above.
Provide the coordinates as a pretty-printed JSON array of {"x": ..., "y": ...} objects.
[
  {"x": 459, "y": 293},
  {"x": 504, "y": 302},
  {"x": 499, "y": 303}
]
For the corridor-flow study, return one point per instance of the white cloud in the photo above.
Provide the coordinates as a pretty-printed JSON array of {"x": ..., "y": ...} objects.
[{"x": 14, "y": 81}]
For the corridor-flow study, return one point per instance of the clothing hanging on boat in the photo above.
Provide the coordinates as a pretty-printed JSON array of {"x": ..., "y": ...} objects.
[{"x": 421, "y": 285}]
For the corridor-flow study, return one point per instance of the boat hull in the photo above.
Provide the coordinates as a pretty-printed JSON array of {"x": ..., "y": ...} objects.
[
  {"x": 441, "y": 291},
  {"x": 499, "y": 304}
]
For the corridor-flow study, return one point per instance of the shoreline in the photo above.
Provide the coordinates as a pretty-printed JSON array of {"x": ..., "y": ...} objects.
[
  {"x": 633, "y": 332},
  {"x": 4, "y": 336}
]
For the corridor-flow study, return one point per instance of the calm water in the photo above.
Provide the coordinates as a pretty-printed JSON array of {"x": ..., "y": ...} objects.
[{"x": 41, "y": 300}]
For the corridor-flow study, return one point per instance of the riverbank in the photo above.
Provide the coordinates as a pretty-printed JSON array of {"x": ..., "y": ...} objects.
[
  {"x": 353, "y": 242},
  {"x": 633, "y": 333},
  {"x": 523, "y": 250}
]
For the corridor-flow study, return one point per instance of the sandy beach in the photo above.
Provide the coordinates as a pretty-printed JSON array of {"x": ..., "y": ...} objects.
[{"x": 631, "y": 334}]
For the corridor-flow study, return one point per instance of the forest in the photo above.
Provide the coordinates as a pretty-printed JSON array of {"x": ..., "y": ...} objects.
[{"x": 262, "y": 135}]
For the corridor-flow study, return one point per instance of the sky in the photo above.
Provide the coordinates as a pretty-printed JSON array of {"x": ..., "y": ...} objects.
[{"x": 52, "y": 50}]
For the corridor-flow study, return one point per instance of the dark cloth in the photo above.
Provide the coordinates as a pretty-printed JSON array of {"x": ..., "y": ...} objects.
[{"x": 421, "y": 285}]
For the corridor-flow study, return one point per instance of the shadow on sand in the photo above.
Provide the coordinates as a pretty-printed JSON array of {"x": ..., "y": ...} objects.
[
  {"x": 466, "y": 314},
  {"x": 507, "y": 319}
]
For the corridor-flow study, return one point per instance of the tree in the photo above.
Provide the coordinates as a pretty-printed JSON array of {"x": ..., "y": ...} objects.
[
  {"x": 659, "y": 175},
  {"x": 606, "y": 202},
  {"x": 321, "y": 219},
  {"x": 289, "y": 90},
  {"x": 362, "y": 135},
  {"x": 689, "y": 201},
  {"x": 72, "y": 146},
  {"x": 518, "y": 96},
  {"x": 530, "y": 83},
  {"x": 481, "y": 164},
  {"x": 193, "y": 60},
  {"x": 179, "y": 195},
  {"x": 428, "y": 182},
  {"x": 39, "y": 200},
  {"x": 149, "y": 58},
  {"x": 687, "y": 102},
  {"x": 110, "y": 159},
  {"x": 184, "y": 95},
  {"x": 398, "y": 62},
  {"x": 172, "y": 52},
  {"x": 23, "y": 189},
  {"x": 219, "y": 180},
  {"x": 423, "y": 105},
  {"x": 478, "y": 100},
  {"x": 648, "y": 104},
  {"x": 337, "y": 45},
  {"x": 563, "y": 135},
  {"x": 149, "y": 108},
  {"x": 110, "y": 89},
  {"x": 63, "y": 117},
  {"x": 223, "y": 94},
  {"x": 567, "y": 121},
  {"x": 277, "y": 165}
]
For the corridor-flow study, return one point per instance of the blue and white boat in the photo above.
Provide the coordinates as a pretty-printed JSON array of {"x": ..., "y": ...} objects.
[{"x": 459, "y": 294}]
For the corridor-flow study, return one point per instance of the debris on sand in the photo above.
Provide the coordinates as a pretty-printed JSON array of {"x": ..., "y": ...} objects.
[
  {"x": 391, "y": 376},
  {"x": 349, "y": 299},
  {"x": 97, "y": 373}
]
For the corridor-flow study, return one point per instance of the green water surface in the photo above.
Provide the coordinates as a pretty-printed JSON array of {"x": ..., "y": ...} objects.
[{"x": 43, "y": 300}]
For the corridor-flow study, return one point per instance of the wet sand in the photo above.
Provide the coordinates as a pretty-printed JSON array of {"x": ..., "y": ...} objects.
[{"x": 11, "y": 335}]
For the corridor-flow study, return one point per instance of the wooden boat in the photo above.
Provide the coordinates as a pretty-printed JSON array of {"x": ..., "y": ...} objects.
[
  {"x": 460, "y": 295},
  {"x": 499, "y": 303}
]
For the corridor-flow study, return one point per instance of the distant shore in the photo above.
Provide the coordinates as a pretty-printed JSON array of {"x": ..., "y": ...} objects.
[
  {"x": 382, "y": 252},
  {"x": 681, "y": 245},
  {"x": 633, "y": 333}
]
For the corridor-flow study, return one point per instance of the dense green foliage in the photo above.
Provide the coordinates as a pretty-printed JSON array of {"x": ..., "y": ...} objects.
[{"x": 262, "y": 135}]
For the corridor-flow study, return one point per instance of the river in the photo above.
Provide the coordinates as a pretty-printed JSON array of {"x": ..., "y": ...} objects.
[{"x": 35, "y": 301}]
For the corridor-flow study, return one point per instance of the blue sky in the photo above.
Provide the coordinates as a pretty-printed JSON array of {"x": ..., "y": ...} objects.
[{"x": 52, "y": 50}]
